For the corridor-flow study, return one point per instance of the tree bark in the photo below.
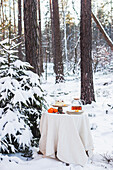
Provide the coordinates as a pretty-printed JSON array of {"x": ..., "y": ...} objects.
[
  {"x": 2, "y": 20},
  {"x": 19, "y": 29},
  {"x": 14, "y": 16},
  {"x": 9, "y": 27},
  {"x": 87, "y": 89},
  {"x": 58, "y": 64},
  {"x": 51, "y": 17},
  {"x": 40, "y": 39},
  {"x": 30, "y": 30}
]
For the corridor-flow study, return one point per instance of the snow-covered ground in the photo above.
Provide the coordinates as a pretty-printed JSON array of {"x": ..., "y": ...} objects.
[{"x": 101, "y": 122}]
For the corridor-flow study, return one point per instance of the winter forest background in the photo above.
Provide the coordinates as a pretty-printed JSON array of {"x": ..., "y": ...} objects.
[{"x": 53, "y": 49}]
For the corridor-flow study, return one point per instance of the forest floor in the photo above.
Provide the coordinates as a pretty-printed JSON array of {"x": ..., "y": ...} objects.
[{"x": 101, "y": 123}]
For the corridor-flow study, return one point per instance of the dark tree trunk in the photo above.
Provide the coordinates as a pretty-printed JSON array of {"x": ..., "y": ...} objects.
[
  {"x": 30, "y": 31},
  {"x": 19, "y": 29},
  {"x": 87, "y": 89},
  {"x": 40, "y": 39},
  {"x": 58, "y": 64},
  {"x": 52, "y": 35},
  {"x": 2, "y": 19}
]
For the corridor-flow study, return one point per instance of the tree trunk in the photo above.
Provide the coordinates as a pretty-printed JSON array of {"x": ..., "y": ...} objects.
[
  {"x": 14, "y": 16},
  {"x": 9, "y": 27},
  {"x": 40, "y": 40},
  {"x": 2, "y": 20},
  {"x": 30, "y": 31},
  {"x": 102, "y": 30},
  {"x": 112, "y": 20},
  {"x": 58, "y": 64},
  {"x": 51, "y": 17},
  {"x": 0, "y": 14},
  {"x": 19, "y": 29},
  {"x": 87, "y": 89},
  {"x": 64, "y": 10}
]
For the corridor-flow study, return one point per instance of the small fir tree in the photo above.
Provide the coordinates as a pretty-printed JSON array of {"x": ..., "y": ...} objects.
[{"x": 21, "y": 103}]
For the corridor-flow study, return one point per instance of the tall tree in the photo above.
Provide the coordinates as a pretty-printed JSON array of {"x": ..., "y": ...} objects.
[
  {"x": 2, "y": 19},
  {"x": 19, "y": 28},
  {"x": 40, "y": 39},
  {"x": 30, "y": 31},
  {"x": 52, "y": 35},
  {"x": 10, "y": 18},
  {"x": 14, "y": 16},
  {"x": 64, "y": 10},
  {"x": 87, "y": 89},
  {"x": 58, "y": 64}
]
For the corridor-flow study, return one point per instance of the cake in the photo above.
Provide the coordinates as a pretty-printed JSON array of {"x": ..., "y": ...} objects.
[{"x": 59, "y": 103}]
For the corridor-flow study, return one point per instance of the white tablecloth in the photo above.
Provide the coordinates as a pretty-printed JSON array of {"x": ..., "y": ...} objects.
[{"x": 68, "y": 135}]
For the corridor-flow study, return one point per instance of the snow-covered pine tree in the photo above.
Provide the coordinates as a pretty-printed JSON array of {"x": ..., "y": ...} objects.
[{"x": 21, "y": 103}]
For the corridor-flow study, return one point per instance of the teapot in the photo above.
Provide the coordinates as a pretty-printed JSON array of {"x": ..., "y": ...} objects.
[{"x": 76, "y": 104}]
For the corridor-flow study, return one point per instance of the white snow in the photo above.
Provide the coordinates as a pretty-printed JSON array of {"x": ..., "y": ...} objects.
[
  {"x": 20, "y": 64},
  {"x": 101, "y": 122},
  {"x": 12, "y": 126}
]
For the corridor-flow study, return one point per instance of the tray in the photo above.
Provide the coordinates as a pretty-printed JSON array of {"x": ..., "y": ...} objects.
[{"x": 75, "y": 112}]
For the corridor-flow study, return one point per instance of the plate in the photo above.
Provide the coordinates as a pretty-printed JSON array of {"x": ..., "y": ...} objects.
[
  {"x": 75, "y": 112},
  {"x": 63, "y": 105}
]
